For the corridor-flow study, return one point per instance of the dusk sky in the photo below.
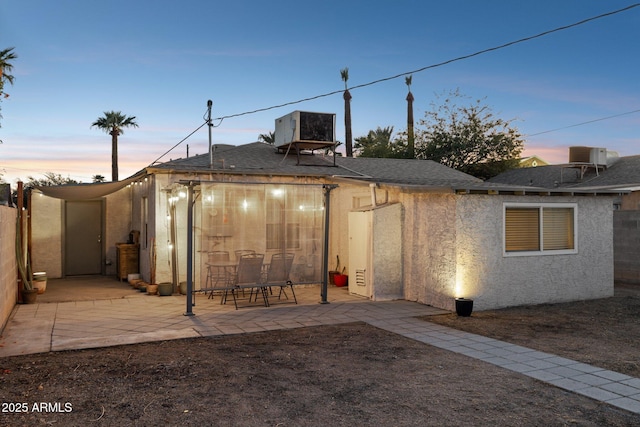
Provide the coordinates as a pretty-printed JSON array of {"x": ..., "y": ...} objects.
[{"x": 161, "y": 61}]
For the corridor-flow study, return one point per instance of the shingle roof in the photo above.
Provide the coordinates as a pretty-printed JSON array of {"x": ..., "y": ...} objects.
[
  {"x": 406, "y": 171},
  {"x": 263, "y": 159},
  {"x": 253, "y": 158},
  {"x": 624, "y": 172},
  {"x": 260, "y": 158}
]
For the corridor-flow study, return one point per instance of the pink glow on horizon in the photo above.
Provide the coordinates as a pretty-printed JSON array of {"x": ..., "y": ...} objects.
[{"x": 552, "y": 155}]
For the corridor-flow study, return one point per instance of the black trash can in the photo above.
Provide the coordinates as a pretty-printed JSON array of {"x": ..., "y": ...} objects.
[{"x": 464, "y": 307}]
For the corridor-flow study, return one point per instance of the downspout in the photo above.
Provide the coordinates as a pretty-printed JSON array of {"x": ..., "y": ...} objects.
[{"x": 372, "y": 186}]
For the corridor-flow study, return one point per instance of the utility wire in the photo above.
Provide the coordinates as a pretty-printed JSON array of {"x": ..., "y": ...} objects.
[
  {"x": 181, "y": 141},
  {"x": 440, "y": 64},
  {"x": 584, "y": 123},
  {"x": 428, "y": 67}
]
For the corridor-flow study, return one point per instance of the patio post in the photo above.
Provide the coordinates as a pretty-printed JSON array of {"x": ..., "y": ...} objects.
[
  {"x": 189, "y": 295},
  {"x": 325, "y": 256}
]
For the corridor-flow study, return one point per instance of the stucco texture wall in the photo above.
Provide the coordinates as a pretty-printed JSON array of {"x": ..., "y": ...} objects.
[
  {"x": 8, "y": 263},
  {"x": 430, "y": 248},
  {"x": 117, "y": 226},
  {"x": 387, "y": 252},
  {"x": 496, "y": 281},
  {"x": 46, "y": 234}
]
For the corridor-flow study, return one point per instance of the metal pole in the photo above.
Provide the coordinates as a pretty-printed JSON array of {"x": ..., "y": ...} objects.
[
  {"x": 209, "y": 105},
  {"x": 189, "y": 311},
  {"x": 325, "y": 256}
]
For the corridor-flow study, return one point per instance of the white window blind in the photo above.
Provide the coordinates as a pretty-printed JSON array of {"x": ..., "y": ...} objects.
[{"x": 539, "y": 228}]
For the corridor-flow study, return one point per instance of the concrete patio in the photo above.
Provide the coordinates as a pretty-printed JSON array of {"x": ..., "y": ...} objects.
[
  {"x": 92, "y": 312},
  {"x": 87, "y": 312}
]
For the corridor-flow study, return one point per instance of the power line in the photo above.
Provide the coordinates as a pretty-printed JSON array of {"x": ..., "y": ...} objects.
[
  {"x": 181, "y": 141},
  {"x": 440, "y": 64},
  {"x": 584, "y": 123},
  {"x": 428, "y": 67}
]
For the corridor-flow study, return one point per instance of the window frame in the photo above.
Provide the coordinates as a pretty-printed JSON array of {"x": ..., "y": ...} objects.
[{"x": 540, "y": 207}]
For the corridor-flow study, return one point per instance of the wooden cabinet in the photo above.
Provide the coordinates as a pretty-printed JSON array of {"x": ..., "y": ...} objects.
[{"x": 127, "y": 259}]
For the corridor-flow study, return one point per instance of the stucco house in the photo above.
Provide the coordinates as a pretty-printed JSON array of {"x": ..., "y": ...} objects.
[
  {"x": 401, "y": 228},
  {"x": 597, "y": 169}
]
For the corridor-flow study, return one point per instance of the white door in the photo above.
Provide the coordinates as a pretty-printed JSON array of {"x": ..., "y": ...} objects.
[{"x": 360, "y": 253}]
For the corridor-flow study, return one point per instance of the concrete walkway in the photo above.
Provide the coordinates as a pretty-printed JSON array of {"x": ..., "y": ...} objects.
[{"x": 134, "y": 318}]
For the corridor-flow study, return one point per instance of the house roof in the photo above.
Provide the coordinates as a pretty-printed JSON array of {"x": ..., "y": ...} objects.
[
  {"x": 258, "y": 158},
  {"x": 624, "y": 173},
  {"x": 264, "y": 159}
]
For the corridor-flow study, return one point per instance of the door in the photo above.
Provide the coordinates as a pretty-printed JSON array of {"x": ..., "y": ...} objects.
[
  {"x": 360, "y": 253},
  {"x": 83, "y": 238}
]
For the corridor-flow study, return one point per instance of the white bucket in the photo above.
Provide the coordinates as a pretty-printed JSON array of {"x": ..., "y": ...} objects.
[
  {"x": 40, "y": 281},
  {"x": 134, "y": 276}
]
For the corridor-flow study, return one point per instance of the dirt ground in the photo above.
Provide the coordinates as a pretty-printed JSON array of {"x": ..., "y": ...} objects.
[{"x": 345, "y": 375}]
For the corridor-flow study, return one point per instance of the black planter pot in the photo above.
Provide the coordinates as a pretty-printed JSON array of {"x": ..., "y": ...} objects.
[
  {"x": 165, "y": 289},
  {"x": 464, "y": 307},
  {"x": 29, "y": 296}
]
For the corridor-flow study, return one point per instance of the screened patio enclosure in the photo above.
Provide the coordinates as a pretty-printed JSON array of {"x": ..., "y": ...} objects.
[{"x": 230, "y": 219}]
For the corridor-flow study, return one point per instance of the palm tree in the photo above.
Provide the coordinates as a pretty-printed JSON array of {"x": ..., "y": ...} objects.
[
  {"x": 344, "y": 73},
  {"x": 113, "y": 123},
  {"x": 377, "y": 143},
  {"x": 410, "y": 136},
  {"x": 268, "y": 138},
  {"x": 6, "y": 56}
]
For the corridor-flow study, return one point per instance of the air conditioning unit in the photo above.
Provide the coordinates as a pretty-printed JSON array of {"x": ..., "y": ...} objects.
[
  {"x": 579, "y": 154},
  {"x": 306, "y": 130},
  {"x": 592, "y": 155},
  {"x": 598, "y": 156}
]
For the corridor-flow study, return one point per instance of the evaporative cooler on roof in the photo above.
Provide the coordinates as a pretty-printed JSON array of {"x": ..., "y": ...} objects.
[{"x": 305, "y": 130}]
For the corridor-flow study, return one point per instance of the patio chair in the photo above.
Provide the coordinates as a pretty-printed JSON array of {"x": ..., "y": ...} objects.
[
  {"x": 278, "y": 274},
  {"x": 217, "y": 265},
  {"x": 240, "y": 252},
  {"x": 248, "y": 275}
]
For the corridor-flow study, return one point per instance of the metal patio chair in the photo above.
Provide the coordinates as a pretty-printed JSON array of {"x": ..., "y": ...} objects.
[
  {"x": 248, "y": 275},
  {"x": 217, "y": 268},
  {"x": 278, "y": 274}
]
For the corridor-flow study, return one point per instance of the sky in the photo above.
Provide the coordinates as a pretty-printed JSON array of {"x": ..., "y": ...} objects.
[{"x": 162, "y": 61}]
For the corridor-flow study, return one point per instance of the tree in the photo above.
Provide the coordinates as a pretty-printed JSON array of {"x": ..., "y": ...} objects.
[
  {"x": 268, "y": 138},
  {"x": 378, "y": 144},
  {"x": 50, "y": 179},
  {"x": 98, "y": 178},
  {"x": 344, "y": 74},
  {"x": 6, "y": 56},
  {"x": 113, "y": 123},
  {"x": 410, "y": 132},
  {"x": 469, "y": 138}
]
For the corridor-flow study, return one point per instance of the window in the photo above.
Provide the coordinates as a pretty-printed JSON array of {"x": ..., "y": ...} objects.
[
  {"x": 276, "y": 239},
  {"x": 538, "y": 229},
  {"x": 282, "y": 231}
]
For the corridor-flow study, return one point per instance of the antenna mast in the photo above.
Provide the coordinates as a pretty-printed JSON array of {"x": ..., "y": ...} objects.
[{"x": 209, "y": 105}]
